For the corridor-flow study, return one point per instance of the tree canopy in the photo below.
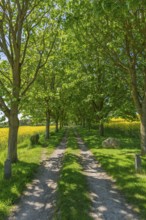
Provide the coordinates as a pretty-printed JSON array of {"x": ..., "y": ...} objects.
[{"x": 72, "y": 62}]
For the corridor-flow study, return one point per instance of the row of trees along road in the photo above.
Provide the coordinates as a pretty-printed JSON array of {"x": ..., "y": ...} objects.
[
  {"x": 117, "y": 29},
  {"x": 79, "y": 61},
  {"x": 28, "y": 30}
]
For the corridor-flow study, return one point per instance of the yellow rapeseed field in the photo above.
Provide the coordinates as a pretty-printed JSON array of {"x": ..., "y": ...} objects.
[
  {"x": 23, "y": 132},
  {"x": 3, "y": 135},
  {"x": 124, "y": 125}
]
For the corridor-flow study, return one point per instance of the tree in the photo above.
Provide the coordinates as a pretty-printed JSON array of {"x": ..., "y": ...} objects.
[
  {"x": 102, "y": 94},
  {"x": 124, "y": 41},
  {"x": 26, "y": 27},
  {"x": 117, "y": 29}
]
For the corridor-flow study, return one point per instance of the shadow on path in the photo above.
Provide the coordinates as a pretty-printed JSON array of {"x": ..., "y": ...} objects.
[
  {"x": 107, "y": 203},
  {"x": 39, "y": 199}
]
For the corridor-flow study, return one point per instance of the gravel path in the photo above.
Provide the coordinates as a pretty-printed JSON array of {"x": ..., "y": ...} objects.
[
  {"x": 107, "y": 203},
  {"x": 39, "y": 199}
]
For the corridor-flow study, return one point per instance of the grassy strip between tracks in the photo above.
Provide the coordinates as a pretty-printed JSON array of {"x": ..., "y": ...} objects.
[
  {"x": 23, "y": 171},
  {"x": 73, "y": 198}
]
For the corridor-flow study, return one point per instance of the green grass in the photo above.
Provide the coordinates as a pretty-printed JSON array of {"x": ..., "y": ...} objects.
[
  {"x": 73, "y": 199},
  {"x": 119, "y": 163},
  {"x": 23, "y": 171}
]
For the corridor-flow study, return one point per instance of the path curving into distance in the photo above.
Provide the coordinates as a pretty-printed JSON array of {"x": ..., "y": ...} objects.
[
  {"x": 39, "y": 199},
  {"x": 107, "y": 203}
]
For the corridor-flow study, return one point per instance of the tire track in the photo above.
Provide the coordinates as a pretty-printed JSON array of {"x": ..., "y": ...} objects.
[
  {"x": 39, "y": 199},
  {"x": 107, "y": 203}
]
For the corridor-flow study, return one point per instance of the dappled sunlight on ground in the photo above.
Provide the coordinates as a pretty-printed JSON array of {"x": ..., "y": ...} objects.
[
  {"x": 107, "y": 203},
  {"x": 39, "y": 199}
]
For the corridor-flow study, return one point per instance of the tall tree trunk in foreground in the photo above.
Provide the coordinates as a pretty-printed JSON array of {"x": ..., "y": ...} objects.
[
  {"x": 12, "y": 141},
  {"x": 12, "y": 138}
]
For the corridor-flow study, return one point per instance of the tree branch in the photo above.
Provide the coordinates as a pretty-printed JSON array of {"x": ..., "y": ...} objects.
[
  {"x": 25, "y": 48},
  {"x": 6, "y": 77},
  {"x": 4, "y": 107},
  {"x": 4, "y": 87}
]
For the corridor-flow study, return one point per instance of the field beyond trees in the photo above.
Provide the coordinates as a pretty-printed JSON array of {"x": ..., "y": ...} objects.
[{"x": 24, "y": 131}]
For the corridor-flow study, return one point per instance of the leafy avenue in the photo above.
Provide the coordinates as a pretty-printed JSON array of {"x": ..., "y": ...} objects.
[{"x": 71, "y": 63}]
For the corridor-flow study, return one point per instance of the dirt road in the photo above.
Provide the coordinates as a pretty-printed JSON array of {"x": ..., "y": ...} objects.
[
  {"x": 38, "y": 200},
  {"x": 107, "y": 203}
]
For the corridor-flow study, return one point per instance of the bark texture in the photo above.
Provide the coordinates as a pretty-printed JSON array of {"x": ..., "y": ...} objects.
[
  {"x": 13, "y": 134},
  {"x": 47, "y": 125},
  {"x": 143, "y": 127}
]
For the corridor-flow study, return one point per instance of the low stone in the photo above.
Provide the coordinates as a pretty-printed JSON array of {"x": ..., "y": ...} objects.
[
  {"x": 111, "y": 143},
  {"x": 34, "y": 139}
]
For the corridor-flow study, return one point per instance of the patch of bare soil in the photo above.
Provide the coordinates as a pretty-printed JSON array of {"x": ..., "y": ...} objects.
[
  {"x": 107, "y": 202},
  {"x": 38, "y": 201}
]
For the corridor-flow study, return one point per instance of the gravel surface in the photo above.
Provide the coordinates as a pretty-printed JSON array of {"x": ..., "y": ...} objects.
[
  {"x": 107, "y": 203},
  {"x": 38, "y": 201}
]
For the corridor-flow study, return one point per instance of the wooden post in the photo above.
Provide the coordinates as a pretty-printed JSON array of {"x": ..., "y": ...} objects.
[{"x": 137, "y": 163}]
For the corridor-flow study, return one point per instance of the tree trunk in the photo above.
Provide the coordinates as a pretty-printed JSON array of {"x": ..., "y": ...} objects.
[
  {"x": 13, "y": 134},
  {"x": 57, "y": 129},
  {"x": 89, "y": 125},
  {"x": 101, "y": 129},
  {"x": 60, "y": 125},
  {"x": 47, "y": 125},
  {"x": 143, "y": 135},
  {"x": 140, "y": 107},
  {"x": 143, "y": 127},
  {"x": 83, "y": 123},
  {"x": 12, "y": 142}
]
